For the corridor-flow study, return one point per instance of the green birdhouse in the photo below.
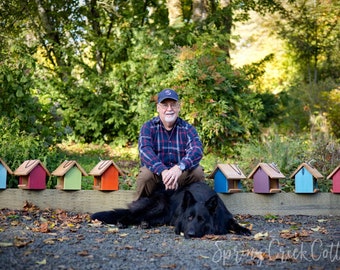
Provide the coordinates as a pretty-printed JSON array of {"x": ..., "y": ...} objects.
[{"x": 69, "y": 175}]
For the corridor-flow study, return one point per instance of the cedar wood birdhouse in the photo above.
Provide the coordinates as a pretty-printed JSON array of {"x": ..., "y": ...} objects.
[
  {"x": 266, "y": 178},
  {"x": 32, "y": 174},
  {"x": 335, "y": 176},
  {"x": 69, "y": 175},
  {"x": 227, "y": 178},
  {"x": 105, "y": 175},
  {"x": 306, "y": 178},
  {"x": 4, "y": 171}
]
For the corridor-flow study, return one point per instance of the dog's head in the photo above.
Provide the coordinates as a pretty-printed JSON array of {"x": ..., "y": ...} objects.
[{"x": 196, "y": 218}]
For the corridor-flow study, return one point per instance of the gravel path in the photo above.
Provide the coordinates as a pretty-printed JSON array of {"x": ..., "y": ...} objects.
[{"x": 53, "y": 239}]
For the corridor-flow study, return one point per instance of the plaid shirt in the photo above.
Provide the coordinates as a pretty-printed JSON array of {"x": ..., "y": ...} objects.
[{"x": 160, "y": 149}]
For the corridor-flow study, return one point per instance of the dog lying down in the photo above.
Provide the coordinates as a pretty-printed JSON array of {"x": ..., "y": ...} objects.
[{"x": 194, "y": 210}]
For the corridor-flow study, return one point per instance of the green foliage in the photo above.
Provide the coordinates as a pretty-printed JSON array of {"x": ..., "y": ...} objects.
[
  {"x": 17, "y": 146},
  {"x": 215, "y": 97},
  {"x": 333, "y": 110},
  {"x": 311, "y": 30}
]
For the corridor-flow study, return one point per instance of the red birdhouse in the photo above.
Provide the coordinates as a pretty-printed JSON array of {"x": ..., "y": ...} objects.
[
  {"x": 32, "y": 174},
  {"x": 335, "y": 176},
  {"x": 106, "y": 175}
]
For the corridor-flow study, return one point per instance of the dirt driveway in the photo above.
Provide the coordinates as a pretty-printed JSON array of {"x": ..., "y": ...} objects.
[{"x": 32, "y": 238}]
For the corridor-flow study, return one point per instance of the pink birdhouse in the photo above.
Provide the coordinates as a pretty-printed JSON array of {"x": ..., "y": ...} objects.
[
  {"x": 266, "y": 178},
  {"x": 335, "y": 176},
  {"x": 32, "y": 174}
]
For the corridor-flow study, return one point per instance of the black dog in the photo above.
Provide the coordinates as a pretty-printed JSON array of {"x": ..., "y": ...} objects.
[{"x": 194, "y": 210}]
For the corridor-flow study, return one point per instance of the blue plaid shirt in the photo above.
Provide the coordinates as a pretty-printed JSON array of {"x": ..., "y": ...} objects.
[{"x": 160, "y": 149}]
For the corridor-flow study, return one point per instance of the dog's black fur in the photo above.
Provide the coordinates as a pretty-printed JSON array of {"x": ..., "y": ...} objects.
[{"x": 194, "y": 210}]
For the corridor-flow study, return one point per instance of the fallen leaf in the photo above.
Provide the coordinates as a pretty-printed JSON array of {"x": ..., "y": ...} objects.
[
  {"x": 21, "y": 242},
  {"x": 49, "y": 241},
  {"x": 261, "y": 236},
  {"x": 322, "y": 220},
  {"x": 43, "y": 262},
  {"x": 113, "y": 230},
  {"x": 6, "y": 244},
  {"x": 316, "y": 229},
  {"x": 83, "y": 253}
]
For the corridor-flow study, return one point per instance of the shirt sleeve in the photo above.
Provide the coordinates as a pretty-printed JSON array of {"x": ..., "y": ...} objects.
[
  {"x": 147, "y": 154},
  {"x": 194, "y": 149}
]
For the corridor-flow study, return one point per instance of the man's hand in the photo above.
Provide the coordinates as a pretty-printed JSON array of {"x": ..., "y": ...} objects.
[{"x": 170, "y": 177}]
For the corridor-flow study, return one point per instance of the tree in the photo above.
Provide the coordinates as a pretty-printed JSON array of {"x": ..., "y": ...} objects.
[{"x": 311, "y": 29}]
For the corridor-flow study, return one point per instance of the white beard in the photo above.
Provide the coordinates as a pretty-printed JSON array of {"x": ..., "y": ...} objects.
[{"x": 170, "y": 118}]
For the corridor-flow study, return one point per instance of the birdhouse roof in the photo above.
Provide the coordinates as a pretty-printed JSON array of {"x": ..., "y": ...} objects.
[
  {"x": 333, "y": 172},
  {"x": 66, "y": 166},
  {"x": 313, "y": 171},
  {"x": 6, "y": 167},
  {"x": 270, "y": 169},
  {"x": 28, "y": 165},
  {"x": 230, "y": 171},
  {"x": 102, "y": 166}
]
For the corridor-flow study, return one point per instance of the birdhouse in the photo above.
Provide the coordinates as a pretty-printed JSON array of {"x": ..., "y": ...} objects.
[
  {"x": 4, "y": 171},
  {"x": 306, "y": 179},
  {"x": 69, "y": 175},
  {"x": 227, "y": 178},
  {"x": 266, "y": 178},
  {"x": 32, "y": 174},
  {"x": 105, "y": 175},
  {"x": 335, "y": 176}
]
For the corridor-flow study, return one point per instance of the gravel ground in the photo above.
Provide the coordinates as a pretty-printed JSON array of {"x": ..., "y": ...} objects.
[{"x": 54, "y": 239}]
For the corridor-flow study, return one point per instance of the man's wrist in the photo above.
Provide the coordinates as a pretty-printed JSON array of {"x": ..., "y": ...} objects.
[{"x": 181, "y": 166}]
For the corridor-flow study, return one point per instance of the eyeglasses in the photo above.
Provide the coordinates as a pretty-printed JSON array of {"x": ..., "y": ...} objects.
[{"x": 165, "y": 106}]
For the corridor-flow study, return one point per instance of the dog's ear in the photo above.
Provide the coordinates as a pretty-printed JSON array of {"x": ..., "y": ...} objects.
[
  {"x": 188, "y": 200},
  {"x": 212, "y": 203}
]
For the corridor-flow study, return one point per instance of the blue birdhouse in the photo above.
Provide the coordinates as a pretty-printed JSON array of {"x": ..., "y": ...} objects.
[
  {"x": 306, "y": 177},
  {"x": 227, "y": 178},
  {"x": 4, "y": 171},
  {"x": 266, "y": 177}
]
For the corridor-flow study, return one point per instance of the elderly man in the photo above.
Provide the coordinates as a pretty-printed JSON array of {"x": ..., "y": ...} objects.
[{"x": 169, "y": 148}]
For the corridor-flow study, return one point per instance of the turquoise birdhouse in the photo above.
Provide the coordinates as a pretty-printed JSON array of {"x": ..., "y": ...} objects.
[
  {"x": 4, "y": 171},
  {"x": 306, "y": 177}
]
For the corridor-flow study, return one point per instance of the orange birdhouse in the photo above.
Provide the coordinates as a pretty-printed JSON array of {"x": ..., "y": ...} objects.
[{"x": 106, "y": 175}]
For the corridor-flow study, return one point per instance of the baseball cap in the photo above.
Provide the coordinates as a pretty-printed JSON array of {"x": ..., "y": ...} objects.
[{"x": 167, "y": 93}]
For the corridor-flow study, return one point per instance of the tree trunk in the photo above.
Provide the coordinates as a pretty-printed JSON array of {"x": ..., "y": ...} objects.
[
  {"x": 199, "y": 10},
  {"x": 175, "y": 13}
]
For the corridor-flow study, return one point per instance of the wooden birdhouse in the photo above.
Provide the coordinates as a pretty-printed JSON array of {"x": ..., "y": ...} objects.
[
  {"x": 4, "y": 171},
  {"x": 106, "y": 175},
  {"x": 32, "y": 174},
  {"x": 69, "y": 175},
  {"x": 335, "y": 176},
  {"x": 306, "y": 179},
  {"x": 266, "y": 178},
  {"x": 227, "y": 178}
]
